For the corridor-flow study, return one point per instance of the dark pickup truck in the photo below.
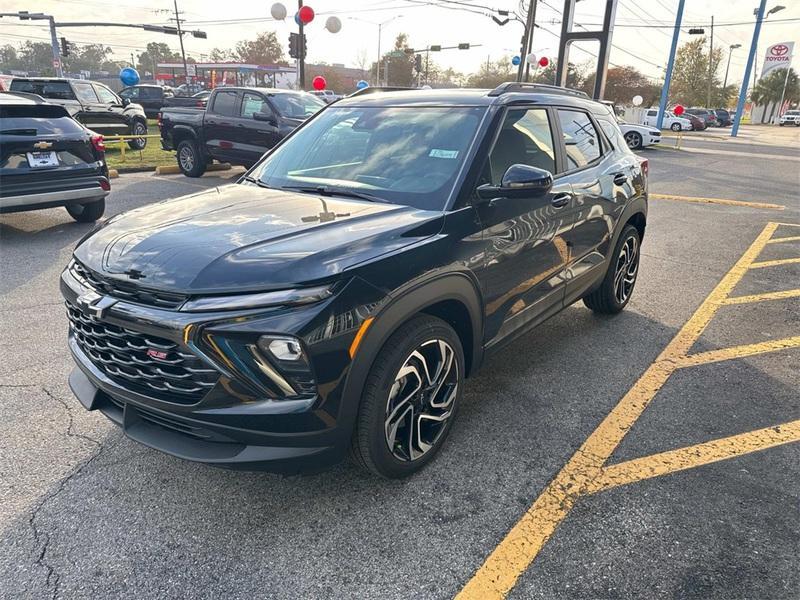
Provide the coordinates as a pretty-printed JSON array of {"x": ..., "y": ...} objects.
[
  {"x": 154, "y": 98},
  {"x": 238, "y": 126}
]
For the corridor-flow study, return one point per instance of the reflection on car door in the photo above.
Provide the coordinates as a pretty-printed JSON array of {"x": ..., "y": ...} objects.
[
  {"x": 219, "y": 124},
  {"x": 601, "y": 183},
  {"x": 257, "y": 132},
  {"x": 112, "y": 111},
  {"x": 524, "y": 238},
  {"x": 91, "y": 111}
]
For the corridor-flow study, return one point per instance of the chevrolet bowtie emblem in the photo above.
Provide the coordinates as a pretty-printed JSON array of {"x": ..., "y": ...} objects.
[
  {"x": 42, "y": 145},
  {"x": 95, "y": 304}
]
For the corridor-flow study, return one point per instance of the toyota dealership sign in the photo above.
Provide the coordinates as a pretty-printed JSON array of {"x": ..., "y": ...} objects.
[{"x": 778, "y": 56}]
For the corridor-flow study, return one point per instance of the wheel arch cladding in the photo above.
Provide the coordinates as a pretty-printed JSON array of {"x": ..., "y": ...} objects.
[{"x": 639, "y": 221}]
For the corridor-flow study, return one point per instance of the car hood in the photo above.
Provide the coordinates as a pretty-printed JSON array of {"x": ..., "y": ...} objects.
[{"x": 243, "y": 238}]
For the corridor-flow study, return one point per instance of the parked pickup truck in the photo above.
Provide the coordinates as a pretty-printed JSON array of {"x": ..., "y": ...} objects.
[{"x": 238, "y": 125}]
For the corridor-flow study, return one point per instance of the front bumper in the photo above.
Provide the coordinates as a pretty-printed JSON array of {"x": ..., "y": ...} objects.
[{"x": 230, "y": 425}]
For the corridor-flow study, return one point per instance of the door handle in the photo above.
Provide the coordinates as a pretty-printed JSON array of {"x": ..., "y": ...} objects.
[
  {"x": 620, "y": 179},
  {"x": 561, "y": 200}
]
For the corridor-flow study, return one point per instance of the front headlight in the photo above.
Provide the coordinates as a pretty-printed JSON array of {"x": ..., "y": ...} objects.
[{"x": 261, "y": 300}]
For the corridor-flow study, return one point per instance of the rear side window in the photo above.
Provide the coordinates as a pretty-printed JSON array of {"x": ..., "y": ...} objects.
[
  {"x": 85, "y": 93},
  {"x": 652, "y": 113},
  {"x": 225, "y": 104},
  {"x": 580, "y": 138},
  {"x": 36, "y": 120},
  {"x": 55, "y": 90}
]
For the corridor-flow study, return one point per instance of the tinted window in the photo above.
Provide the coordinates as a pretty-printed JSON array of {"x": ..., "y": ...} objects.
[
  {"x": 525, "y": 138},
  {"x": 254, "y": 103},
  {"x": 296, "y": 106},
  {"x": 106, "y": 95},
  {"x": 149, "y": 93},
  {"x": 36, "y": 120},
  {"x": 580, "y": 138},
  {"x": 85, "y": 92},
  {"x": 55, "y": 90},
  {"x": 613, "y": 133},
  {"x": 130, "y": 93},
  {"x": 401, "y": 155},
  {"x": 225, "y": 104}
]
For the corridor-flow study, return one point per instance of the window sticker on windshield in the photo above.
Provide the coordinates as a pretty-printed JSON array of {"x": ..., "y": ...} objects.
[{"x": 437, "y": 153}]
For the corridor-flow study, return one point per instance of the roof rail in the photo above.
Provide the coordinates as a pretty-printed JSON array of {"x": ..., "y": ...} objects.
[
  {"x": 522, "y": 86},
  {"x": 375, "y": 89}
]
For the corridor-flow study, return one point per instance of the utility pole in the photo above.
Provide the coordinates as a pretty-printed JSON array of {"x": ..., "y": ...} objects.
[
  {"x": 731, "y": 48},
  {"x": 57, "y": 64},
  {"x": 301, "y": 74},
  {"x": 532, "y": 27},
  {"x": 785, "y": 83},
  {"x": 527, "y": 38},
  {"x": 710, "y": 64},
  {"x": 180, "y": 37},
  {"x": 750, "y": 60},
  {"x": 662, "y": 105}
]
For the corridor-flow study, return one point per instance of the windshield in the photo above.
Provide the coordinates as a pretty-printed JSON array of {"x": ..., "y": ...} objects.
[
  {"x": 792, "y": 112},
  {"x": 408, "y": 156},
  {"x": 296, "y": 106}
]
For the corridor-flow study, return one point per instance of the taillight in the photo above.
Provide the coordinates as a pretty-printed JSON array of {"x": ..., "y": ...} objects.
[
  {"x": 158, "y": 119},
  {"x": 645, "y": 166},
  {"x": 98, "y": 143},
  {"x": 105, "y": 184},
  {"x": 199, "y": 104}
]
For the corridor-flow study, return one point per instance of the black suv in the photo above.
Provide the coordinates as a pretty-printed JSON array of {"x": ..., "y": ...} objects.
[
  {"x": 91, "y": 103},
  {"x": 335, "y": 299},
  {"x": 48, "y": 159}
]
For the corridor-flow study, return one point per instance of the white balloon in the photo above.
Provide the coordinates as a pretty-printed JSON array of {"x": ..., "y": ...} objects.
[
  {"x": 278, "y": 11},
  {"x": 426, "y": 87},
  {"x": 637, "y": 100},
  {"x": 333, "y": 24},
  {"x": 531, "y": 58}
]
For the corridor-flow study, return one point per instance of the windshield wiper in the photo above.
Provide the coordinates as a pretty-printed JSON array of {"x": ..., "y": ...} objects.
[
  {"x": 324, "y": 190},
  {"x": 258, "y": 182}
]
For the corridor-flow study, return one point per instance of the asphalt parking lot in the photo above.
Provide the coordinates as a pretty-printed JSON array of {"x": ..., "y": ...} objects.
[{"x": 652, "y": 454}]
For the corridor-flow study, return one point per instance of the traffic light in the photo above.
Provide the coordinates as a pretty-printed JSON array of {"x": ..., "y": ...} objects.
[
  {"x": 463, "y": 46},
  {"x": 436, "y": 48},
  {"x": 297, "y": 47},
  {"x": 304, "y": 47},
  {"x": 65, "y": 47},
  {"x": 418, "y": 63}
]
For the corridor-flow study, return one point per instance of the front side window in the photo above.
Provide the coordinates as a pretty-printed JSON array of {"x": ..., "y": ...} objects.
[
  {"x": 225, "y": 104},
  {"x": 254, "y": 103},
  {"x": 296, "y": 106},
  {"x": 85, "y": 93},
  {"x": 403, "y": 155},
  {"x": 525, "y": 138},
  {"x": 580, "y": 138},
  {"x": 130, "y": 93},
  {"x": 106, "y": 95}
]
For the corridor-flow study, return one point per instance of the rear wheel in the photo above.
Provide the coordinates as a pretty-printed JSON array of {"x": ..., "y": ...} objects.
[
  {"x": 634, "y": 140},
  {"x": 190, "y": 162},
  {"x": 410, "y": 398},
  {"x": 87, "y": 213},
  {"x": 139, "y": 128},
  {"x": 617, "y": 287},
  {"x": 675, "y": 127}
]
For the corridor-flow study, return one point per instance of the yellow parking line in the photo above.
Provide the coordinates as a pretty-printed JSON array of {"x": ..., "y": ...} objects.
[
  {"x": 512, "y": 556},
  {"x": 725, "y": 201},
  {"x": 774, "y": 263},
  {"x": 762, "y": 297},
  {"x": 690, "y": 457},
  {"x": 702, "y": 358},
  {"x": 792, "y": 238}
]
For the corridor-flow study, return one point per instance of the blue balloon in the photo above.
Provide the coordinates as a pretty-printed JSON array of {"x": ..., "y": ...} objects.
[
  {"x": 516, "y": 60},
  {"x": 129, "y": 76},
  {"x": 297, "y": 17},
  {"x": 361, "y": 84}
]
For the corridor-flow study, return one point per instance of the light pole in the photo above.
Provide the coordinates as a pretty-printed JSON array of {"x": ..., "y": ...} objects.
[
  {"x": 380, "y": 27},
  {"x": 731, "y": 48}
]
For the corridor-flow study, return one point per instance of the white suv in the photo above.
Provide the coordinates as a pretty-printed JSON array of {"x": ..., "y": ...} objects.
[
  {"x": 670, "y": 120},
  {"x": 790, "y": 117}
]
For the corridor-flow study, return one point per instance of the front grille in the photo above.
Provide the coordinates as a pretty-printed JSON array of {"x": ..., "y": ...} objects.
[
  {"x": 127, "y": 291},
  {"x": 122, "y": 354}
]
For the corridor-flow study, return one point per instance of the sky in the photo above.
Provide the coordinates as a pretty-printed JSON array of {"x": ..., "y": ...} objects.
[{"x": 641, "y": 38}]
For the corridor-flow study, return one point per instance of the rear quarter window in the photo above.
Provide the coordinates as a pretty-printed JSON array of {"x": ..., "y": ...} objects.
[{"x": 55, "y": 90}]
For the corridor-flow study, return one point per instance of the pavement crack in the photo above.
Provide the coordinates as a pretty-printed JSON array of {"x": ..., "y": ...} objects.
[{"x": 41, "y": 538}]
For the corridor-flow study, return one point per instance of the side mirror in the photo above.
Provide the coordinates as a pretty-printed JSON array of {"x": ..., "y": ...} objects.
[
  {"x": 266, "y": 117},
  {"x": 519, "y": 181},
  {"x": 126, "y": 101}
]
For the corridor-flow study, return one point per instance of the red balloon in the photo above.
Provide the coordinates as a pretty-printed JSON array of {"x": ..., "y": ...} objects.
[
  {"x": 319, "y": 83},
  {"x": 678, "y": 110},
  {"x": 544, "y": 61},
  {"x": 306, "y": 14}
]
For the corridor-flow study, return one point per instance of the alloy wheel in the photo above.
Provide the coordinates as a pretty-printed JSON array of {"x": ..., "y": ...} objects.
[
  {"x": 626, "y": 269},
  {"x": 186, "y": 158},
  {"x": 632, "y": 139},
  {"x": 140, "y": 129},
  {"x": 421, "y": 400}
]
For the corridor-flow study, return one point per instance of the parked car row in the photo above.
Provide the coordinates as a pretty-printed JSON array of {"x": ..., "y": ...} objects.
[
  {"x": 153, "y": 98},
  {"x": 692, "y": 119}
]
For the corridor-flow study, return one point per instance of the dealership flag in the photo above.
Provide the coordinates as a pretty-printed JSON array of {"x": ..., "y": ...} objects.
[{"x": 778, "y": 56}]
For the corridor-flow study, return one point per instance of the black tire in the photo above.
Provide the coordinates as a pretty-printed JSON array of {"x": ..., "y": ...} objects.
[
  {"x": 190, "y": 162},
  {"x": 607, "y": 298},
  {"x": 87, "y": 213},
  {"x": 138, "y": 128},
  {"x": 675, "y": 127},
  {"x": 634, "y": 140},
  {"x": 370, "y": 447}
]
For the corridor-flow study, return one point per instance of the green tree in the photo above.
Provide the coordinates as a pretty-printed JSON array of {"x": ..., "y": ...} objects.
[
  {"x": 397, "y": 64},
  {"x": 622, "y": 84},
  {"x": 491, "y": 74},
  {"x": 9, "y": 58},
  {"x": 769, "y": 89},
  {"x": 157, "y": 52},
  {"x": 690, "y": 75},
  {"x": 576, "y": 75},
  {"x": 90, "y": 57},
  {"x": 264, "y": 50},
  {"x": 36, "y": 57}
]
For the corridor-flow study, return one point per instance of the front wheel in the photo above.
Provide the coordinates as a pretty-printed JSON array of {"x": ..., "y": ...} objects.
[
  {"x": 410, "y": 398},
  {"x": 87, "y": 213},
  {"x": 190, "y": 162},
  {"x": 634, "y": 140},
  {"x": 617, "y": 287},
  {"x": 675, "y": 127},
  {"x": 138, "y": 128}
]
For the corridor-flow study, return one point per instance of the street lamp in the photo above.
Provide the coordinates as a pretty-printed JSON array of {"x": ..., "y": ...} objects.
[
  {"x": 380, "y": 27},
  {"x": 731, "y": 48}
]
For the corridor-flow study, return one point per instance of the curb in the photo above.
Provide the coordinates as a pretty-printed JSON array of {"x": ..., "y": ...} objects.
[
  {"x": 113, "y": 173},
  {"x": 174, "y": 169}
]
